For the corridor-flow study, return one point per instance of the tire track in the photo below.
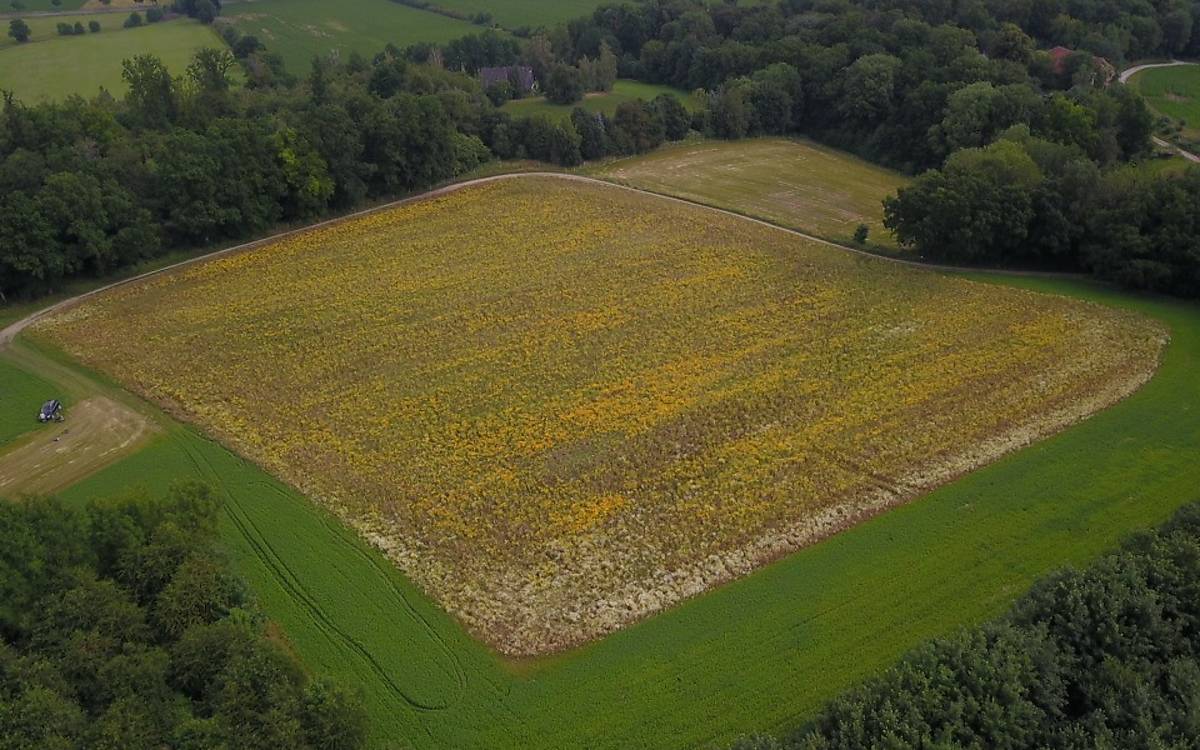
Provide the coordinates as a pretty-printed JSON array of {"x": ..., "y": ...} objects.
[{"x": 291, "y": 584}]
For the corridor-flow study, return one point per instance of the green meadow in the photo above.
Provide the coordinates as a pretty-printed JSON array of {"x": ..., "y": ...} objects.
[
  {"x": 37, "y": 6},
  {"x": 1174, "y": 92},
  {"x": 51, "y": 67},
  {"x": 596, "y": 102},
  {"x": 302, "y": 29}
]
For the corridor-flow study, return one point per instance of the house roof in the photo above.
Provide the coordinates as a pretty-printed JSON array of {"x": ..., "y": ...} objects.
[{"x": 1059, "y": 55}]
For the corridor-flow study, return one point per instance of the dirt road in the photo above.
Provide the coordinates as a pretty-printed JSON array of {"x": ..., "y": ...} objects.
[{"x": 97, "y": 432}]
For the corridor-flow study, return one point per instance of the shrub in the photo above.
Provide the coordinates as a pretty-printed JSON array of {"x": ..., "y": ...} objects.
[{"x": 134, "y": 20}]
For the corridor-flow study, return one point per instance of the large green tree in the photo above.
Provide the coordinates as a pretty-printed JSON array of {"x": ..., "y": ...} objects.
[{"x": 120, "y": 627}]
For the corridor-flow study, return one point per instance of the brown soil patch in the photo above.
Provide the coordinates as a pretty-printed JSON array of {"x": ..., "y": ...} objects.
[{"x": 96, "y": 433}]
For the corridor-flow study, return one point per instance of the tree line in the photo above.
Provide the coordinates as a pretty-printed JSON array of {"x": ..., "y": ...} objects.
[
  {"x": 184, "y": 161},
  {"x": 120, "y": 627},
  {"x": 1103, "y": 657},
  {"x": 1029, "y": 202}
]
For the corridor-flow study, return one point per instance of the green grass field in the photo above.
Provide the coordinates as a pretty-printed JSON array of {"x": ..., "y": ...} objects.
[
  {"x": 762, "y": 653},
  {"x": 56, "y": 66},
  {"x": 794, "y": 183},
  {"x": 1174, "y": 92},
  {"x": 532, "y": 13},
  {"x": 21, "y": 395},
  {"x": 38, "y": 6},
  {"x": 301, "y": 29},
  {"x": 622, "y": 91},
  {"x": 46, "y": 27}
]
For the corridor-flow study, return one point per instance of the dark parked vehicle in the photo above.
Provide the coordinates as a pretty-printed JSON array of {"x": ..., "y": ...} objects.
[{"x": 51, "y": 411}]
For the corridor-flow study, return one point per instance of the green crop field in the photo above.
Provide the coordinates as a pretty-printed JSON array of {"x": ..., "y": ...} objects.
[
  {"x": 794, "y": 183},
  {"x": 761, "y": 653},
  {"x": 1174, "y": 92},
  {"x": 301, "y": 29},
  {"x": 596, "y": 102},
  {"x": 512, "y": 14},
  {"x": 59, "y": 66}
]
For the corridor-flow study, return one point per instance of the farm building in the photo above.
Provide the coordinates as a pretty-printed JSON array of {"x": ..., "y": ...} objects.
[
  {"x": 520, "y": 76},
  {"x": 1103, "y": 70}
]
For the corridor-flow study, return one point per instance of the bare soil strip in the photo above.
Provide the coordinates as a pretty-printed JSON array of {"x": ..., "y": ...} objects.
[{"x": 96, "y": 433}]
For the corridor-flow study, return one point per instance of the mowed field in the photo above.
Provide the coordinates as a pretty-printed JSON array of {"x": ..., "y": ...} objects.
[
  {"x": 793, "y": 183},
  {"x": 556, "y": 428},
  {"x": 302, "y": 29},
  {"x": 52, "y": 66},
  {"x": 596, "y": 102},
  {"x": 1174, "y": 92}
]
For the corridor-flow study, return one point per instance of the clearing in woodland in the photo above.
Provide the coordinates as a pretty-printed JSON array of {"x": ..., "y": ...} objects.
[
  {"x": 793, "y": 183},
  {"x": 596, "y": 102},
  {"x": 556, "y": 428},
  {"x": 1174, "y": 92}
]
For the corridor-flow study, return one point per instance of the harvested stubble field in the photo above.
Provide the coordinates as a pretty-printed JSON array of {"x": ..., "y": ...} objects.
[
  {"x": 790, "y": 182},
  {"x": 558, "y": 426}
]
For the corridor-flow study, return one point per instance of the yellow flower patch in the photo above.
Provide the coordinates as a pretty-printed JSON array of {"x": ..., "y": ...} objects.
[{"x": 561, "y": 407}]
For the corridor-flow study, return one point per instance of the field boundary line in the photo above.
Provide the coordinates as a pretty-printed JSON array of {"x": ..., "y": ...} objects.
[{"x": 10, "y": 332}]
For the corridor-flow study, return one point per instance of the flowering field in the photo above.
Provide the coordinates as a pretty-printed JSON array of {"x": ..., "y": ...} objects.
[{"x": 560, "y": 407}]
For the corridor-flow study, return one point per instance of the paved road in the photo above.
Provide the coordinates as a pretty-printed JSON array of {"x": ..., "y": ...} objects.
[
  {"x": 10, "y": 332},
  {"x": 1131, "y": 72}
]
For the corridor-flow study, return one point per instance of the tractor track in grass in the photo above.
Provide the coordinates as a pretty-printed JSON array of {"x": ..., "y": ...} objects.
[{"x": 291, "y": 583}]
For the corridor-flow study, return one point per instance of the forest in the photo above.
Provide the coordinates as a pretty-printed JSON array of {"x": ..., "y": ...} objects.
[
  {"x": 1103, "y": 657},
  {"x": 121, "y": 626},
  {"x": 185, "y": 161}
]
